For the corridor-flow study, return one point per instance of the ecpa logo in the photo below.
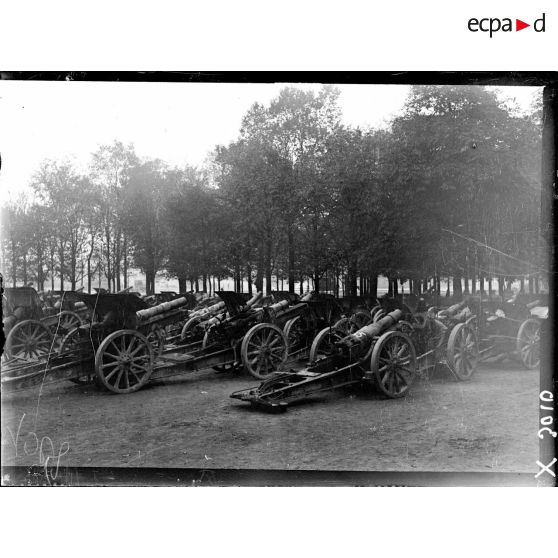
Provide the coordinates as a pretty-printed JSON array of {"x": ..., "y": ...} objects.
[{"x": 492, "y": 25}]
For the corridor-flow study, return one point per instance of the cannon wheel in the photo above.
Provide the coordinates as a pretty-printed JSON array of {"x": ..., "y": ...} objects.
[
  {"x": 528, "y": 343},
  {"x": 72, "y": 345},
  {"x": 190, "y": 327},
  {"x": 295, "y": 334},
  {"x": 344, "y": 325},
  {"x": 28, "y": 340},
  {"x": 323, "y": 342},
  {"x": 263, "y": 350},
  {"x": 393, "y": 363},
  {"x": 67, "y": 321},
  {"x": 124, "y": 361},
  {"x": 462, "y": 351},
  {"x": 360, "y": 319}
]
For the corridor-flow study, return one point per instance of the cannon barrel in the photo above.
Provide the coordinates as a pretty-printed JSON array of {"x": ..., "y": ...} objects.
[
  {"x": 218, "y": 307},
  {"x": 366, "y": 334},
  {"x": 288, "y": 312},
  {"x": 278, "y": 306},
  {"x": 255, "y": 299},
  {"x": 163, "y": 308},
  {"x": 451, "y": 310}
]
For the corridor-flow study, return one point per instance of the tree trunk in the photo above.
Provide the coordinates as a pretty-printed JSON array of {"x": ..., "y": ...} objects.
[
  {"x": 482, "y": 286},
  {"x": 501, "y": 286},
  {"x": 316, "y": 281},
  {"x": 14, "y": 264},
  {"x": 181, "y": 283},
  {"x": 268, "y": 286},
  {"x": 117, "y": 259},
  {"x": 125, "y": 260},
  {"x": 51, "y": 270},
  {"x": 531, "y": 285},
  {"x": 61, "y": 256},
  {"x": 291, "y": 260},
  {"x": 373, "y": 290},
  {"x": 457, "y": 289},
  {"x": 24, "y": 269},
  {"x": 249, "y": 279},
  {"x": 466, "y": 284}
]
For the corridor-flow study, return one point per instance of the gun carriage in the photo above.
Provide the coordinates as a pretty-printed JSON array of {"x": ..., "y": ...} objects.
[{"x": 388, "y": 353}]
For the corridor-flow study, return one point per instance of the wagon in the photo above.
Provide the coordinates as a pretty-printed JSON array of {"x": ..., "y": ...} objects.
[{"x": 389, "y": 353}]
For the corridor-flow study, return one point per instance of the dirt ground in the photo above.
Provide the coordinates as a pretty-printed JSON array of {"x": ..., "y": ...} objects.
[{"x": 486, "y": 425}]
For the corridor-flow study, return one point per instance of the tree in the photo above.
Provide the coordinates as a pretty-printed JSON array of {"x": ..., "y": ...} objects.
[{"x": 109, "y": 171}]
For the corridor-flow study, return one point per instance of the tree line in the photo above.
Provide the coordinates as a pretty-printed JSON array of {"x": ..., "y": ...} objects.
[{"x": 450, "y": 190}]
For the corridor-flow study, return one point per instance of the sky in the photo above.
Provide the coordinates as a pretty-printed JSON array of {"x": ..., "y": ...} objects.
[{"x": 180, "y": 123}]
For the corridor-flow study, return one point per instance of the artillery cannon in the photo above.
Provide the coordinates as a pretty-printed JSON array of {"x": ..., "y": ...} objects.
[
  {"x": 505, "y": 328},
  {"x": 306, "y": 318},
  {"x": 31, "y": 331},
  {"x": 388, "y": 353},
  {"x": 122, "y": 350}
]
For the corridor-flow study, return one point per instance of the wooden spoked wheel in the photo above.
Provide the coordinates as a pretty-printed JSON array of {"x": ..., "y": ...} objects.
[
  {"x": 295, "y": 334},
  {"x": 263, "y": 350},
  {"x": 193, "y": 328},
  {"x": 343, "y": 325},
  {"x": 78, "y": 346},
  {"x": 393, "y": 363},
  {"x": 324, "y": 343},
  {"x": 28, "y": 340},
  {"x": 360, "y": 318},
  {"x": 67, "y": 321},
  {"x": 462, "y": 351},
  {"x": 124, "y": 361},
  {"x": 528, "y": 343}
]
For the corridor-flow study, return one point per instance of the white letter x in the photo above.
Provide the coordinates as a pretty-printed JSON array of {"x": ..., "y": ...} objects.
[{"x": 546, "y": 468}]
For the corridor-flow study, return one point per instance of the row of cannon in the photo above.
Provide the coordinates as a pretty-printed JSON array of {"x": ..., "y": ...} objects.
[{"x": 126, "y": 343}]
